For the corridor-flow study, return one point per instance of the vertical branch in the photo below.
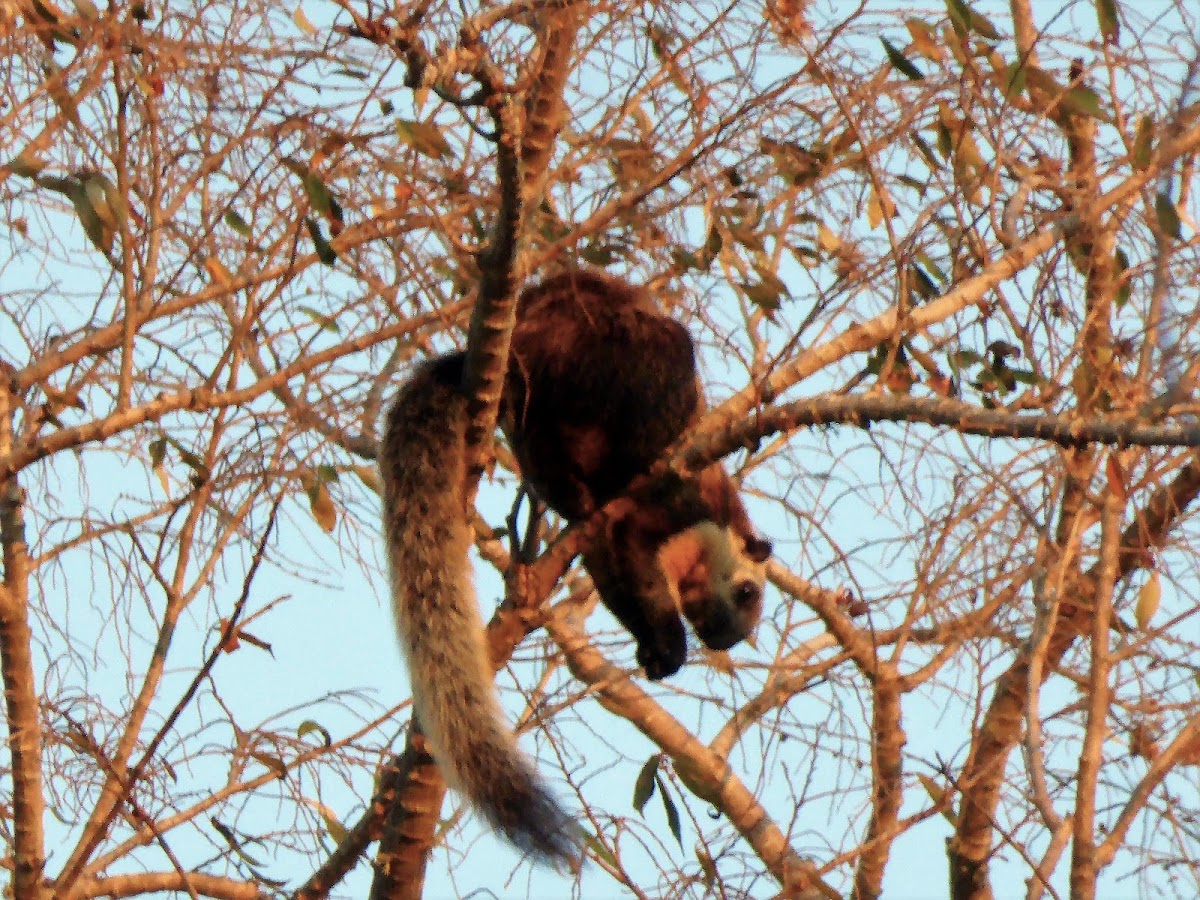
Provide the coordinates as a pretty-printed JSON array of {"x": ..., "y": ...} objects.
[
  {"x": 887, "y": 748},
  {"x": 22, "y": 713},
  {"x": 523, "y": 147},
  {"x": 1090, "y": 244},
  {"x": 1083, "y": 859},
  {"x": 545, "y": 109},
  {"x": 970, "y": 848},
  {"x": 496, "y": 307}
]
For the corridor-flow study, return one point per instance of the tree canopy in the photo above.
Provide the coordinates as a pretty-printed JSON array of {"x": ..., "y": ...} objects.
[{"x": 942, "y": 268}]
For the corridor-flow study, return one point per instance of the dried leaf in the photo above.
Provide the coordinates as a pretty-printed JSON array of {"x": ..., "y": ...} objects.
[
  {"x": 322, "y": 506},
  {"x": 938, "y": 795},
  {"x": 270, "y": 760},
  {"x": 161, "y": 471},
  {"x": 216, "y": 271},
  {"x": 879, "y": 207},
  {"x": 924, "y": 40},
  {"x": 1141, "y": 741},
  {"x": 826, "y": 239},
  {"x": 424, "y": 137},
  {"x": 229, "y": 637},
  {"x": 302, "y": 21},
  {"x": 1147, "y": 601}
]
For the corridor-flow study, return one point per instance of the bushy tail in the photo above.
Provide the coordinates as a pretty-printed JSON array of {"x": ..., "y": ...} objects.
[{"x": 423, "y": 464}]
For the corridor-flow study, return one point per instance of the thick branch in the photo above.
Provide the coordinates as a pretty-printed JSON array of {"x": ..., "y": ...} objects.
[
  {"x": 982, "y": 778},
  {"x": 707, "y": 773},
  {"x": 862, "y": 410},
  {"x": 865, "y": 336},
  {"x": 887, "y": 789},
  {"x": 545, "y": 106},
  {"x": 140, "y": 883},
  {"x": 22, "y": 709}
]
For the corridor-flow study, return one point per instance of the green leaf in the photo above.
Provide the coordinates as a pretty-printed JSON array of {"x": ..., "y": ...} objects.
[
  {"x": 308, "y": 726},
  {"x": 671, "y": 811},
  {"x": 965, "y": 19},
  {"x": 945, "y": 141},
  {"x": 643, "y": 787},
  {"x": 683, "y": 261},
  {"x": 1110, "y": 20},
  {"x": 764, "y": 295},
  {"x": 712, "y": 246},
  {"x": 1014, "y": 79},
  {"x": 601, "y": 255},
  {"x": 318, "y": 194},
  {"x": 961, "y": 359},
  {"x": 696, "y": 780},
  {"x": 600, "y": 850},
  {"x": 1084, "y": 101},
  {"x": 27, "y": 163},
  {"x": 1143, "y": 142},
  {"x": 232, "y": 840},
  {"x": 336, "y": 829},
  {"x": 1031, "y": 378},
  {"x": 325, "y": 252},
  {"x": 922, "y": 283},
  {"x": 960, "y": 16},
  {"x": 327, "y": 322},
  {"x": 158, "y": 451},
  {"x": 900, "y": 63},
  {"x": 237, "y": 223},
  {"x": 424, "y": 137},
  {"x": 1121, "y": 259},
  {"x": 926, "y": 151},
  {"x": 192, "y": 461},
  {"x": 983, "y": 26},
  {"x": 929, "y": 265},
  {"x": 1167, "y": 216}
]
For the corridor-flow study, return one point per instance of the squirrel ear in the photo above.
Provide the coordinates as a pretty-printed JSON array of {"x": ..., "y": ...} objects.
[{"x": 758, "y": 549}]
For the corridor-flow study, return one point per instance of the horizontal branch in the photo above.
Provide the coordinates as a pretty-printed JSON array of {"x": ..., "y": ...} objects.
[
  {"x": 138, "y": 883},
  {"x": 1066, "y": 429},
  {"x": 864, "y": 336}
]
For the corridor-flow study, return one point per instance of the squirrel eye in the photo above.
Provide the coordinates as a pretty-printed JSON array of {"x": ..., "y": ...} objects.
[{"x": 746, "y": 593}]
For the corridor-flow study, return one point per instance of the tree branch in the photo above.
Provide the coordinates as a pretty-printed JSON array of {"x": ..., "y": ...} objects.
[
  {"x": 1066, "y": 429},
  {"x": 704, "y": 771},
  {"x": 21, "y": 702}
]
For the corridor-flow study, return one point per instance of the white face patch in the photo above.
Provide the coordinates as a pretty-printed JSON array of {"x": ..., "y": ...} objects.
[
  {"x": 714, "y": 580},
  {"x": 732, "y": 572}
]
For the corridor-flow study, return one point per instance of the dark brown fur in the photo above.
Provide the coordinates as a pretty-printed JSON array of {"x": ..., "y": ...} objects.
[{"x": 600, "y": 383}]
